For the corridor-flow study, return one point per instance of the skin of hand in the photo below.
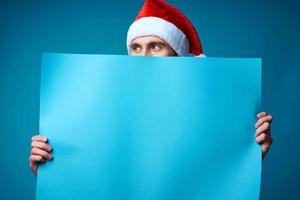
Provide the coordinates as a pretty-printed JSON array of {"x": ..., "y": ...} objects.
[
  {"x": 263, "y": 132},
  {"x": 40, "y": 152}
]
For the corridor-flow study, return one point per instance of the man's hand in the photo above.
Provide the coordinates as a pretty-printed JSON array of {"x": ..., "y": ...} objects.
[
  {"x": 263, "y": 131},
  {"x": 40, "y": 152}
]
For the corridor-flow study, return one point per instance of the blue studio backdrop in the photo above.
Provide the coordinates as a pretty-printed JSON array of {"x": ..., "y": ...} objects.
[{"x": 262, "y": 29}]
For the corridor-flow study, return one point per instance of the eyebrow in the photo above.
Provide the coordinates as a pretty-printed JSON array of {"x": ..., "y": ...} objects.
[
  {"x": 134, "y": 44},
  {"x": 150, "y": 43},
  {"x": 157, "y": 42}
]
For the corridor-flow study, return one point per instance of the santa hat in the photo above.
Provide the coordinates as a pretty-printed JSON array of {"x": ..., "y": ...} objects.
[{"x": 158, "y": 18}]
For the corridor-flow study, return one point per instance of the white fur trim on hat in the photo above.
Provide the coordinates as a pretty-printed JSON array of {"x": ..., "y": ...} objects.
[
  {"x": 201, "y": 55},
  {"x": 155, "y": 26}
]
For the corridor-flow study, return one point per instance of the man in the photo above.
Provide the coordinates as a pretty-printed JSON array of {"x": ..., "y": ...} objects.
[{"x": 159, "y": 30}]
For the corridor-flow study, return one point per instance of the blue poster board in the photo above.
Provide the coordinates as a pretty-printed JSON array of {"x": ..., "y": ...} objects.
[{"x": 141, "y": 128}]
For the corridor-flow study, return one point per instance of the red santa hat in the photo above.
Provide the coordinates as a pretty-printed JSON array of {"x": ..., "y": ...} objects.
[{"x": 158, "y": 18}]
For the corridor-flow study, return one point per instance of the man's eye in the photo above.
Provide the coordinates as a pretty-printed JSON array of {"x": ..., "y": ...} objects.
[
  {"x": 156, "y": 47},
  {"x": 136, "y": 49}
]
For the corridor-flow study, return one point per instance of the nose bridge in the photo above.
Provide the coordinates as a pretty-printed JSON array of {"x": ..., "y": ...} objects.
[{"x": 145, "y": 52}]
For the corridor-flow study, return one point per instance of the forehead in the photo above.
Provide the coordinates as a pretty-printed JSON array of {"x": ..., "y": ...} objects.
[{"x": 144, "y": 40}]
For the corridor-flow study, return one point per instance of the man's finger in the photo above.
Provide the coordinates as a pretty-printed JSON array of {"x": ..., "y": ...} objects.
[
  {"x": 41, "y": 145},
  {"x": 37, "y": 159},
  {"x": 263, "y": 138},
  {"x": 263, "y": 128},
  {"x": 261, "y": 114},
  {"x": 39, "y": 138},
  {"x": 267, "y": 118},
  {"x": 40, "y": 152}
]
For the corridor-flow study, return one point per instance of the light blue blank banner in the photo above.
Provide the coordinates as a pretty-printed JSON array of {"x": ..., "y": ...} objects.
[{"x": 149, "y": 128}]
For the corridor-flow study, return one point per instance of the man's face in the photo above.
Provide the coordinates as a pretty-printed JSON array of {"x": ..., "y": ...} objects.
[{"x": 150, "y": 46}]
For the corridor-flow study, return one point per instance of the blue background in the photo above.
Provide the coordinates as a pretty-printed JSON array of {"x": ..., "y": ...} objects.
[{"x": 246, "y": 28}]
